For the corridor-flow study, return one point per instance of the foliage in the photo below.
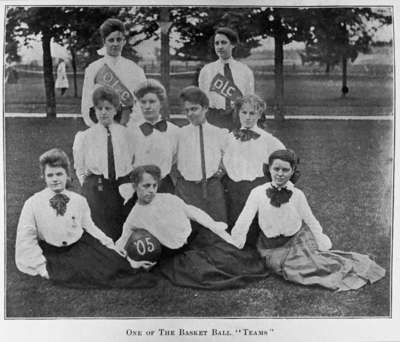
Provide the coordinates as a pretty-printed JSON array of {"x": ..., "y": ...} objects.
[
  {"x": 196, "y": 26},
  {"x": 338, "y": 33}
]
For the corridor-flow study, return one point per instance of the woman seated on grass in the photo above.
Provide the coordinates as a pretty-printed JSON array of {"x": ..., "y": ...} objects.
[
  {"x": 57, "y": 239},
  {"x": 183, "y": 261},
  {"x": 297, "y": 252}
]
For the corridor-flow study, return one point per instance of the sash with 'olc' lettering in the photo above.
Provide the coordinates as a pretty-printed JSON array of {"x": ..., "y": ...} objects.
[
  {"x": 106, "y": 77},
  {"x": 224, "y": 87}
]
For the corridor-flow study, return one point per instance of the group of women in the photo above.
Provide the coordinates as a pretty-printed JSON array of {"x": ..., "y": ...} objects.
[{"x": 223, "y": 205}]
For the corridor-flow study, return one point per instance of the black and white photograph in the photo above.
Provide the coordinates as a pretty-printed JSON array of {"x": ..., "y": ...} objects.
[{"x": 199, "y": 171}]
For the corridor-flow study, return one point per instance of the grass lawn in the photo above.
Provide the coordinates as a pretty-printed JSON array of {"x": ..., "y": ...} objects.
[
  {"x": 304, "y": 94},
  {"x": 346, "y": 175}
]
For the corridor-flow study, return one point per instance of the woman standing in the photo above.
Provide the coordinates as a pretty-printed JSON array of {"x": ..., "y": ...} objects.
[
  {"x": 246, "y": 156},
  {"x": 115, "y": 71},
  {"x": 225, "y": 79},
  {"x": 155, "y": 140},
  {"x": 62, "y": 79}
]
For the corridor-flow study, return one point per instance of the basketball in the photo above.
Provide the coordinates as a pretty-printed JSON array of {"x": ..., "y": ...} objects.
[{"x": 142, "y": 245}]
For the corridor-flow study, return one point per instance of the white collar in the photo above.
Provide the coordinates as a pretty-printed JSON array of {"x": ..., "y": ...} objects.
[
  {"x": 289, "y": 185},
  {"x": 112, "y": 60},
  {"x": 230, "y": 60}
]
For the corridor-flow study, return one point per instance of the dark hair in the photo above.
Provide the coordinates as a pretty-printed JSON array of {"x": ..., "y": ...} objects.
[
  {"x": 288, "y": 156},
  {"x": 253, "y": 99},
  {"x": 111, "y": 25},
  {"x": 106, "y": 94},
  {"x": 138, "y": 172},
  {"x": 195, "y": 95},
  {"x": 55, "y": 158},
  {"x": 231, "y": 34},
  {"x": 151, "y": 86}
]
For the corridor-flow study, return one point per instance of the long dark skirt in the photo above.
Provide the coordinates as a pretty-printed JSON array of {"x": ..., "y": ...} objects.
[
  {"x": 236, "y": 194},
  {"x": 106, "y": 204},
  {"x": 89, "y": 264},
  {"x": 298, "y": 259},
  {"x": 191, "y": 192},
  {"x": 208, "y": 262}
]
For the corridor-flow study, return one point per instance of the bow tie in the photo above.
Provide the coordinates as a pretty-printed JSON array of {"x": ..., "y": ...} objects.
[
  {"x": 245, "y": 134},
  {"x": 147, "y": 128},
  {"x": 59, "y": 203},
  {"x": 278, "y": 196}
]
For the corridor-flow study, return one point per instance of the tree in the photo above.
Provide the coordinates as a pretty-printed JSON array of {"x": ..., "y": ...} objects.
[
  {"x": 340, "y": 34},
  {"x": 284, "y": 25},
  {"x": 196, "y": 26}
]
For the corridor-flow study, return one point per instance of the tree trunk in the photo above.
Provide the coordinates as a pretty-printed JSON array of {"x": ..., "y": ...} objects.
[
  {"x": 345, "y": 89},
  {"x": 165, "y": 58},
  {"x": 278, "y": 77},
  {"x": 73, "y": 62},
  {"x": 48, "y": 77},
  {"x": 327, "y": 68}
]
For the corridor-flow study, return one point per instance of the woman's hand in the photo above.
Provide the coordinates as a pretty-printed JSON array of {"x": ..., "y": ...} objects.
[
  {"x": 141, "y": 264},
  {"x": 324, "y": 242}
]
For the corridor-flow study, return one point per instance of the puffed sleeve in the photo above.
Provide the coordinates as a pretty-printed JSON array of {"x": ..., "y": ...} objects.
[
  {"x": 273, "y": 144},
  {"x": 87, "y": 89},
  {"x": 198, "y": 215},
  {"x": 243, "y": 222},
  {"x": 89, "y": 226},
  {"x": 29, "y": 256},
  {"x": 323, "y": 241},
  {"x": 203, "y": 80},
  {"x": 79, "y": 156}
]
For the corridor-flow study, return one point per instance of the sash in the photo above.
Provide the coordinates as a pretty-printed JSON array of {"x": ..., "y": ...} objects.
[
  {"x": 224, "y": 87},
  {"x": 106, "y": 77}
]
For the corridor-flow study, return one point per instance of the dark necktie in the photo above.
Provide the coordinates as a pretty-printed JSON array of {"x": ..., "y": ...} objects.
[
  {"x": 245, "y": 134},
  {"x": 278, "y": 196},
  {"x": 203, "y": 163},
  {"x": 59, "y": 203},
  {"x": 147, "y": 128},
  {"x": 110, "y": 156},
  {"x": 228, "y": 75}
]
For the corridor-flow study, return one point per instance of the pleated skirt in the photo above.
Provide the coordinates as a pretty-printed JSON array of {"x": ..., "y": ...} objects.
[{"x": 298, "y": 259}]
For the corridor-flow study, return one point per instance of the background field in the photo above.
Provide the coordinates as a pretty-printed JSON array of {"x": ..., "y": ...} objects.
[
  {"x": 346, "y": 174},
  {"x": 305, "y": 94}
]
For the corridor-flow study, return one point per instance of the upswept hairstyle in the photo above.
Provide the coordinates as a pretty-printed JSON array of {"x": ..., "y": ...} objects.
[
  {"x": 195, "y": 95},
  {"x": 138, "y": 172},
  {"x": 54, "y": 158},
  {"x": 111, "y": 25}
]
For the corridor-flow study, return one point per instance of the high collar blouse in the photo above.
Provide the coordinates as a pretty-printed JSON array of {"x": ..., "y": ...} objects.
[
  {"x": 128, "y": 72},
  {"x": 242, "y": 76},
  {"x": 273, "y": 221},
  {"x": 158, "y": 148},
  {"x": 167, "y": 217},
  {"x": 90, "y": 150},
  {"x": 39, "y": 221},
  {"x": 189, "y": 156},
  {"x": 244, "y": 160}
]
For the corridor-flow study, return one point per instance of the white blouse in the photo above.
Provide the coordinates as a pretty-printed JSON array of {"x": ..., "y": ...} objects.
[
  {"x": 39, "y": 221},
  {"x": 167, "y": 217},
  {"x": 244, "y": 160},
  {"x": 242, "y": 76},
  {"x": 158, "y": 148},
  {"x": 273, "y": 221},
  {"x": 129, "y": 73},
  {"x": 90, "y": 151},
  {"x": 189, "y": 156}
]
